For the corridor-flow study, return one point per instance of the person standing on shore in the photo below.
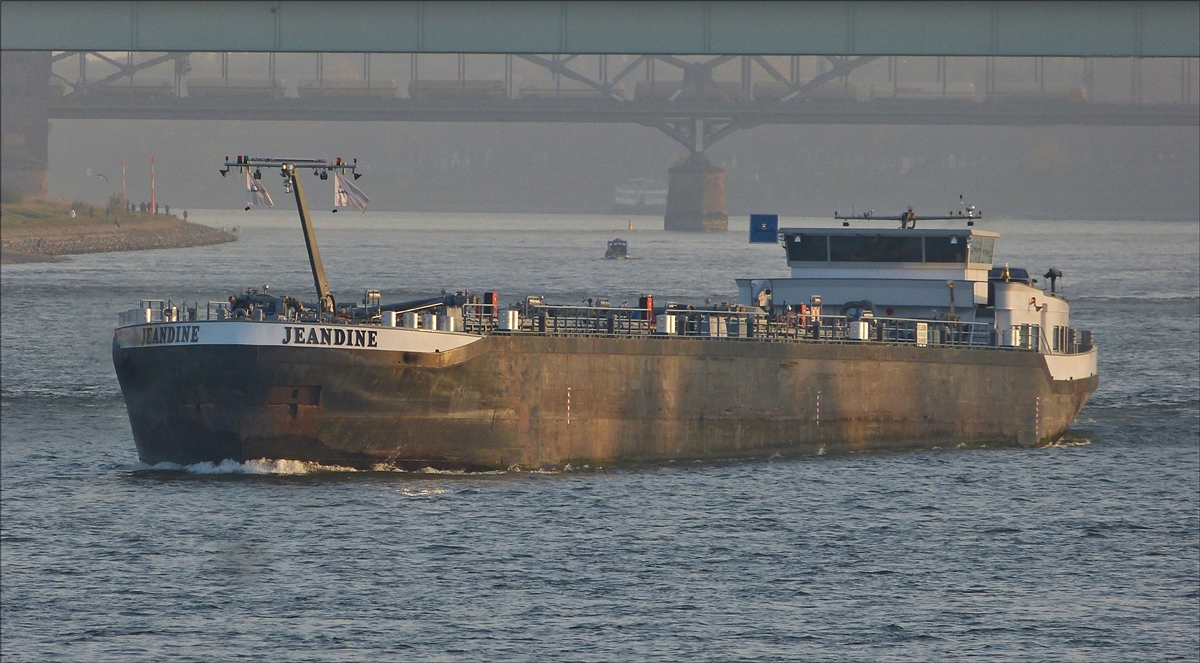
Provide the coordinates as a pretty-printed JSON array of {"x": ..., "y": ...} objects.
[
  {"x": 167, "y": 209},
  {"x": 185, "y": 215}
]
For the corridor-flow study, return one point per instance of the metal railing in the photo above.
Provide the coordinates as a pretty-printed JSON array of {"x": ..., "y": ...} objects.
[
  {"x": 747, "y": 324},
  {"x": 479, "y": 319},
  {"x": 734, "y": 322},
  {"x": 156, "y": 310},
  {"x": 587, "y": 320}
]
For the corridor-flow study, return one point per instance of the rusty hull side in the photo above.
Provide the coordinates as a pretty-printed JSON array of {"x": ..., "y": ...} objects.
[{"x": 503, "y": 401}]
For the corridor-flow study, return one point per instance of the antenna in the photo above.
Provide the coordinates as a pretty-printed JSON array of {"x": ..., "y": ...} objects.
[{"x": 908, "y": 220}]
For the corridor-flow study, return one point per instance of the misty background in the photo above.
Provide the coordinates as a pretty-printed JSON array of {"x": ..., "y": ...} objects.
[
  {"x": 1019, "y": 172},
  {"x": 1055, "y": 172}
]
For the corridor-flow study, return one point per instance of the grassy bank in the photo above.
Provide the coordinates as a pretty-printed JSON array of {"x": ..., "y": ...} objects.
[
  {"x": 46, "y": 228},
  {"x": 50, "y": 215}
]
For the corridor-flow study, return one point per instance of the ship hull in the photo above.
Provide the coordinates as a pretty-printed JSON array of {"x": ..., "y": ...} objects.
[{"x": 533, "y": 401}]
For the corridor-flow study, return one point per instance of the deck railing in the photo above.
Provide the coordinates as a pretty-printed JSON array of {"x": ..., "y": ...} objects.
[
  {"x": 606, "y": 321},
  {"x": 740, "y": 324}
]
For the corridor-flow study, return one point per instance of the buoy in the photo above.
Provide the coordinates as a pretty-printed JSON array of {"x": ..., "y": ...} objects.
[{"x": 631, "y": 224}]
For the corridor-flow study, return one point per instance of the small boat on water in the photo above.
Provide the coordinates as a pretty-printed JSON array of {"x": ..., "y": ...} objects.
[
  {"x": 881, "y": 338},
  {"x": 618, "y": 249}
]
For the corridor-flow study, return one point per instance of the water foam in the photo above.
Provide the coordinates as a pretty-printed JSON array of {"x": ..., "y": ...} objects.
[
  {"x": 458, "y": 473},
  {"x": 1067, "y": 442},
  {"x": 411, "y": 491},
  {"x": 285, "y": 467},
  {"x": 262, "y": 466}
]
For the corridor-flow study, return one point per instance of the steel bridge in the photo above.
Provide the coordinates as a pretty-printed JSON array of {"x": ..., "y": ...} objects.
[
  {"x": 571, "y": 44},
  {"x": 846, "y": 28}
]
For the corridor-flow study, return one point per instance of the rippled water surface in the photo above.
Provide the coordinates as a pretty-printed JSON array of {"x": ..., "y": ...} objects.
[{"x": 1087, "y": 550}]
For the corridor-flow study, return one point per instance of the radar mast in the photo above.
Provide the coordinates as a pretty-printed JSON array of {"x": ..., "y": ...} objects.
[{"x": 289, "y": 169}]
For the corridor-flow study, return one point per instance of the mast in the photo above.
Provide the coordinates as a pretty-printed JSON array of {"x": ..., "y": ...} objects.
[
  {"x": 290, "y": 169},
  {"x": 310, "y": 240}
]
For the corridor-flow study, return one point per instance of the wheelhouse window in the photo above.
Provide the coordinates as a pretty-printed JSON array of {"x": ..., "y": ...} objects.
[
  {"x": 946, "y": 249},
  {"x": 807, "y": 248},
  {"x": 981, "y": 249},
  {"x": 860, "y": 248}
]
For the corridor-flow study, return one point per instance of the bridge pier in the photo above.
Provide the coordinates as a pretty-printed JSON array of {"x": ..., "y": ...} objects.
[
  {"x": 696, "y": 197},
  {"x": 24, "y": 121},
  {"x": 696, "y": 189}
]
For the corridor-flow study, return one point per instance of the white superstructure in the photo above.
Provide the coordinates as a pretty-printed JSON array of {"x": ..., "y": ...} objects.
[{"x": 936, "y": 274}]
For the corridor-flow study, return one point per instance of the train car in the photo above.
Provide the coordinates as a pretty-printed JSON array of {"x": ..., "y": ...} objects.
[
  {"x": 138, "y": 89},
  {"x": 465, "y": 89},
  {"x": 348, "y": 88},
  {"x": 236, "y": 87},
  {"x": 1074, "y": 95},
  {"x": 926, "y": 92},
  {"x": 673, "y": 90},
  {"x": 832, "y": 90},
  {"x": 617, "y": 92}
]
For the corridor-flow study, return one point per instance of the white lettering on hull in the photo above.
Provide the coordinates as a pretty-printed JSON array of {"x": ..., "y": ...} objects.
[
  {"x": 170, "y": 334},
  {"x": 353, "y": 338},
  {"x": 238, "y": 332}
]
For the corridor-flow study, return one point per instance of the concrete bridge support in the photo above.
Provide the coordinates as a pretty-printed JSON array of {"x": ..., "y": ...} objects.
[
  {"x": 696, "y": 197},
  {"x": 24, "y": 97},
  {"x": 696, "y": 189}
]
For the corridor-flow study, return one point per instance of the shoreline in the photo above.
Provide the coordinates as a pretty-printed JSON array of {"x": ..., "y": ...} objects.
[
  {"x": 46, "y": 247},
  {"x": 20, "y": 257},
  {"x": 42, "y": 230}
]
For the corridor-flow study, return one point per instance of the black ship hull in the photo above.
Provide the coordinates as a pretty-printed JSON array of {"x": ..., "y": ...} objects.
[{"x": 535, "y": 401}]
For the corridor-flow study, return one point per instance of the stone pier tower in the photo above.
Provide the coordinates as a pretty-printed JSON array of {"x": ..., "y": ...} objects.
[{"x": 696, "y": 197}]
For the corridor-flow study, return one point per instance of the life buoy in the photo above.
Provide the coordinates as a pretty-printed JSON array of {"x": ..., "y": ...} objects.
[{"x": 240, "y": 313}]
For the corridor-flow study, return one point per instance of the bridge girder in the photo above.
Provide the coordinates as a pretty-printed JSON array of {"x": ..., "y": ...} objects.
[
  {"x": 1052, "y": 28},
  {"x": 124, "y": 69},
  {"x": 677, "y": 116}
]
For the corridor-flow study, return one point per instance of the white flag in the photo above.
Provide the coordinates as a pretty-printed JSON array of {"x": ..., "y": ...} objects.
[
  {"x": 347, "y": 195},
  {"x": 256, "y": 194}
]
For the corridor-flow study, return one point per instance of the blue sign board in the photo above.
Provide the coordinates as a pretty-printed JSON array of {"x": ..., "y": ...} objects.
[{"x": 764, "y": 228}]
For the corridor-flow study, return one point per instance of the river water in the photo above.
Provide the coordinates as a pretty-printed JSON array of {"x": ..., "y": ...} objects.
[{"x": 1087, "y": 550}]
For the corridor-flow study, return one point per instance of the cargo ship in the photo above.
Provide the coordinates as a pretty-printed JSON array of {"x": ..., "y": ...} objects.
[{"x": 881, "y": 339}]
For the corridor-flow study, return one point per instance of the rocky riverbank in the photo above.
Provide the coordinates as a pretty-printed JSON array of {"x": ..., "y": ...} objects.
[
  {"x": 184, "y": 235},
  {"x": 17, "y": 257},
  {"x": 45, "y": 228}
]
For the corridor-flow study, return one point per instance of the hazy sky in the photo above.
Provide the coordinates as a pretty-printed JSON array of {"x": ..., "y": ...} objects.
[
  {"x": 1038, "y": 172},
  {"x": 1051, "y": 172}
]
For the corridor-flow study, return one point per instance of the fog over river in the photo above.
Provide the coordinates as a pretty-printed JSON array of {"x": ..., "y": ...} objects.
[{"x": 1012, "y": 172}]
